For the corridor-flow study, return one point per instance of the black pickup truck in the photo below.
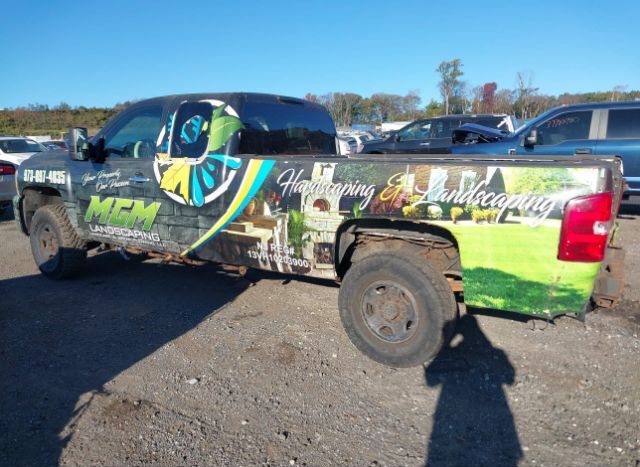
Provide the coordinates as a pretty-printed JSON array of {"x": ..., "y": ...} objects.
[
  {"x": 433, "y": 135},
  {"x": 254, "y": 180}
]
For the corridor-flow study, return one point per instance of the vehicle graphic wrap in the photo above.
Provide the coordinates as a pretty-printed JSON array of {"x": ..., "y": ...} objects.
[
  {"x": 283, "y": 214},
  {"x": 189, "y": 164},
  {"x": 257, "y": 171},
  {"x": 506, "y": 221}
]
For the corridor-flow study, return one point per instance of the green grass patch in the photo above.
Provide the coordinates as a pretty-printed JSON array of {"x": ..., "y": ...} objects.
[{"x": 514, "y": 267}]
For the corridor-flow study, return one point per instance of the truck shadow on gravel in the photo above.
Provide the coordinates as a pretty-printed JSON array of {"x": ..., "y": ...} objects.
[
  {"x": 60, "y": 340},
  {"x": 472, "y": 424}
]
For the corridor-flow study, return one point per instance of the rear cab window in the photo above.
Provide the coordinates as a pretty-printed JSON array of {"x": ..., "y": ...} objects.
[
  {"x": 442, "y": 128},
  {"x": 623, "y": 124},
  {"x": 286, "y": 127}
]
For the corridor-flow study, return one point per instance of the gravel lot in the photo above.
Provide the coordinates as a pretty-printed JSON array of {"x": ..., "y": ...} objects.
[{"x": 144, "y": 363}]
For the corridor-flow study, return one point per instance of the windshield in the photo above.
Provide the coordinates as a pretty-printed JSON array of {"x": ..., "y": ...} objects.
[
  {"x": 533, "y": 122},
  {"x": 499, "y": 123},
  {"x": 12, "y": 146}
]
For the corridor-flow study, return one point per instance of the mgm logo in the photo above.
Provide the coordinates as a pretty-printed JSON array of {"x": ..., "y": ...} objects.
[{"x": 121, "y": 212}]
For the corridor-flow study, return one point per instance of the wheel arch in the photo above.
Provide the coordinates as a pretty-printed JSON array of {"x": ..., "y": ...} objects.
[
  {"x": 34, "y": 198},
  {"x": 394, "y": 229}
]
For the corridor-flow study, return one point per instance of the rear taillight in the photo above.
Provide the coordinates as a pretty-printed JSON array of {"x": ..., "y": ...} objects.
[
  {"x": 585, "y": 228},
  {"x": 7, "y": 169}
]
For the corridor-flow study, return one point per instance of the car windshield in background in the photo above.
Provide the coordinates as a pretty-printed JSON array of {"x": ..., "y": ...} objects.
[
  {"x": 493, "y": 122},
  {"x": 274, "y": 128},
  {"x": 55, "y": 144},
  {"x": 12, "y": 146}
]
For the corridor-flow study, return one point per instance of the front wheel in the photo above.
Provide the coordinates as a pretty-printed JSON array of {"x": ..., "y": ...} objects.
[
  {"x": 56, "y": 248},
  {"x": 396, "y": 309}
]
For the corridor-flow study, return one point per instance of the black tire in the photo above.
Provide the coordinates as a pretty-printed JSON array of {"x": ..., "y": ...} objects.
[
  {"x": 56, "y": 248},
  {"x": 411, "y": 325}
]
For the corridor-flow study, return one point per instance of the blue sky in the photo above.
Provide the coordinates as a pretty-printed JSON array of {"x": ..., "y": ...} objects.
[{"x": 99, "y": 53}]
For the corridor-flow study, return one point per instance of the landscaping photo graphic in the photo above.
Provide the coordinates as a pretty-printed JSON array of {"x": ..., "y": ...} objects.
[{"x": 291, "y": 223}]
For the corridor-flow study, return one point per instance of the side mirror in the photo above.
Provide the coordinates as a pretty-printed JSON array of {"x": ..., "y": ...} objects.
[
  {"x": 396, "y": 137},
  {"x": 532, "y": 138},
  {"x": 96, "y": 151},
  {"x": 78, "y": 140}
]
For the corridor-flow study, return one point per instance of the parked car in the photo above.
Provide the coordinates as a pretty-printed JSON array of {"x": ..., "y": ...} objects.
[
  {"x": 433, "y": 135},
  {"x": 7, "y": 184},
  {"x": 18, "y": 149},
  {"x": 346, "y": 147},
  {"x": 13, "y": 151},
  {"x": 54, "y": 145},
  {"x": 353, "y": 144},
  {"x": 604, "y": 128},
  {"x": 360, "y": 141}
]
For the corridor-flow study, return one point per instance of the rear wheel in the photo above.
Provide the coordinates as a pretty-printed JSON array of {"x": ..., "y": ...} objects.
[
  {"x": 397, "y": 309},
  {"x": 57, "y": 249}
]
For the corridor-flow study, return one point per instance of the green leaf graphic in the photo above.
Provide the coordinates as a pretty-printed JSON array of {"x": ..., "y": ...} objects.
[
  {"x": 221, "y": 130},
  {"x": 218, "y": 111}
]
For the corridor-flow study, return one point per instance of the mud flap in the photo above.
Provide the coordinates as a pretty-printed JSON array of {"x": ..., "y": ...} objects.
[{"x": 610, "y": 282}]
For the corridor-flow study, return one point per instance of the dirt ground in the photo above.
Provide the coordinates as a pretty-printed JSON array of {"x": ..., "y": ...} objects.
[{"x": 142, "y": 363}]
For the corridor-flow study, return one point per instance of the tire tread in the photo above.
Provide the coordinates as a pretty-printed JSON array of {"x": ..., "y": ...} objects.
[{"x": 74, "y": 254}]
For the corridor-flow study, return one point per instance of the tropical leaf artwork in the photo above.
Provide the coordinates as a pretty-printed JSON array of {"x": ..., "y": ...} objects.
[
  {"x": 222, "y": 128},
  {"x": 176, "y": 178},
  {"x": 298, "y": 231},
  {"x": 194, "y": 180}
]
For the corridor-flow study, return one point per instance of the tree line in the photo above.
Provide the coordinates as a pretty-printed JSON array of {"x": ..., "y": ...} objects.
[
  {"x": 458, "y": 97},
  {"x": 524, "y": 101},
  {"x": 39, "y": 119}
]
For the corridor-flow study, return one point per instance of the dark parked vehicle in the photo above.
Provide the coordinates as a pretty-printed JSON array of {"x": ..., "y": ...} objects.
[
  {"x": 7, "y": 184},
  {"x": 605, "y": 128},
  {"x": 433, "y": 135}
]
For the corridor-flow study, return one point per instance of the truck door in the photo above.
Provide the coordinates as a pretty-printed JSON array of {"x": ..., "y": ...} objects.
[
  {"x": 117, "y": 200},
  {"x": 621, "y": 137},
  {"x": 193, "y": 170},
  {"x": 441, "y": 131},
  {"x": 563, "y": 134}
]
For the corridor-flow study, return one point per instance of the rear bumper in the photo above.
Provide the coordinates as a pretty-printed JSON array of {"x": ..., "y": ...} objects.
[{"x": 7, "y": 188}]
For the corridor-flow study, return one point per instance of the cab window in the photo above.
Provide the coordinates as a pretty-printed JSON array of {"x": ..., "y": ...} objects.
[
  {"x": 623, "y": 123},
  {"x": 286, "y": 128},
  {"x": 564, "y": 127},
  {"x": 444, "y": 127},
  {"x": 417, "y": 131},
  {"x": 136, "y": 136}
]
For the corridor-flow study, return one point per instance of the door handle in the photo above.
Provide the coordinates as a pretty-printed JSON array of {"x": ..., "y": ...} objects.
[
  {"x": 583, "y": 151},
  {"x": 138, "y": 179},
  {"x": 425, "y": 144}
]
